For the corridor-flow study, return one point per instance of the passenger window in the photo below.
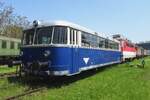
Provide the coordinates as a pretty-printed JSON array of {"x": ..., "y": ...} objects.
[
  {"x": 93, "y": 41},
  {"x": 73, "y": 36},
  {"x": 116, "y": 46},
  {"x": 106, "y": 43},
  {"x": 12, "y": 45},
  {"x": 18, "y": 46},
  {"x": 28, "y": 37},
  {"x": 4, "y": 44},
  {"x": 113, "y": 45},
  {"x": 85, "y": 39},
  {"x": 101, "y": 42}
]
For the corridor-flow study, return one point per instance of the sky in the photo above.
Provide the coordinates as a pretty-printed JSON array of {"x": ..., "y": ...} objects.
[{"x": 130, "y": 18}]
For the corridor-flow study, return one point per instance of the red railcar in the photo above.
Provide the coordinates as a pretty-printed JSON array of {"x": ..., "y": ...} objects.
[{"x": 127, "y": 47}]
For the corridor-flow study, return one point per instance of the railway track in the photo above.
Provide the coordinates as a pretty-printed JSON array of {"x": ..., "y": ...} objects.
[
  {"x": 4, "y": 75},
  {"x": 29, "y": 92}
]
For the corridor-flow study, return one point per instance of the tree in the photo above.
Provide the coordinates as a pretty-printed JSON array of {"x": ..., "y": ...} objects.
[{"x": 11, "y": 24}]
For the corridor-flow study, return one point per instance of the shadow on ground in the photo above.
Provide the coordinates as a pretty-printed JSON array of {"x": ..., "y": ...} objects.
[{"x": 34, "y": 82}]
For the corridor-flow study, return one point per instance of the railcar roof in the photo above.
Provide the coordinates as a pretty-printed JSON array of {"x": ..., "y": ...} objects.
[
  {"x": 9, "y": 39},
  {"x": 63, "y": 23},
  {"x": 66, "y": 23}
]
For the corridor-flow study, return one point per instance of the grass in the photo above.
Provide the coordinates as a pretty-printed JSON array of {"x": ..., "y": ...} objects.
[
  {"x": 118, "y": 82},
  {"x": 5, "y": 69}
]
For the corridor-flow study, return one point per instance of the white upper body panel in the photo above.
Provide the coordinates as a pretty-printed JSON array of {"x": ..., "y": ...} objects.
[{"x": 61, "y": 23}]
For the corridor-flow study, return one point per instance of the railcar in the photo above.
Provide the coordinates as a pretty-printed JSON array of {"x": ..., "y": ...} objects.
[
  {"x": 139, "y": 52},
  {"x": 64, "y": 48},
  {"x": 128, "y": 48},
  {"x": 146, "y": 52},
  {"x": 9, "y": 49}
]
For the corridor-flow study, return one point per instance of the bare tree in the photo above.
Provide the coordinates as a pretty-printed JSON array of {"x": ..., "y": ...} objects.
[{"x": 11, "y": 24}]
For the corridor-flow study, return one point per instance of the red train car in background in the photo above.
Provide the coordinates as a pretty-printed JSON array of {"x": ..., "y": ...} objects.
[{"x": 129, "y": 49}]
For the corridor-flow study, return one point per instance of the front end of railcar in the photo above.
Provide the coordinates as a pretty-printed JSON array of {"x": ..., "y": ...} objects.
[{"x": 43, "y": 52}]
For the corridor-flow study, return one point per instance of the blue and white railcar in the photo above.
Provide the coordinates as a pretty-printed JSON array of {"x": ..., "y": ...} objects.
[{"x": 63, "y": 48}]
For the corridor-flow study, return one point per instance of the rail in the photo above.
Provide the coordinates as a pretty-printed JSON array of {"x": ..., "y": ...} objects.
[{"x": 16, "y": 97}]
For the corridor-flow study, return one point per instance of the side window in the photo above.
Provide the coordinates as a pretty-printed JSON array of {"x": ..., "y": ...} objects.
[
  {"x": 73, "y": 36},
  {"x": 106, "y": 43},
  {"x": 12, "y": 45},
  {"x": 113, "y": 45},
  {"x": 89, "y": 40},
  {"x": 101, "y": 42},
  {"x": 60, "y": 35},
  {"x": 18, "y": 45},
  {"x": 28, "y": 37},
  {"x": 94, "y": 41},
  {"x": 85, "y": 39},
  {"x": 116, "y": 46},
  {"x": 4, "y": 44},
  {"x": 110, "y": 44}
]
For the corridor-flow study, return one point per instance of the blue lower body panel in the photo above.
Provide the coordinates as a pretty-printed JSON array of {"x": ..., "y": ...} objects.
[
  {"x": 69, "y": 61},
  {"x": 91, "y": 58}
]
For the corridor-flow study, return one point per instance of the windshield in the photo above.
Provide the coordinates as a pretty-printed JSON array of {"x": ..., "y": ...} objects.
[
  {"x": 46, "y": 35},
  {"x": 60, "y": 35},
  {"x": 43, "y": 36}
]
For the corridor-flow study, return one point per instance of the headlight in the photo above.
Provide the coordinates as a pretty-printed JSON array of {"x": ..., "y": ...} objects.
[{"x": 47, "y": 53}]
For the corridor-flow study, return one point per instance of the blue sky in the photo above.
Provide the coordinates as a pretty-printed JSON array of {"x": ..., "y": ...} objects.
[{"x": 128, "y": 17}]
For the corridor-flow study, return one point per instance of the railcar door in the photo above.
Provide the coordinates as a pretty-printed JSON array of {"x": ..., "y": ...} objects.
[{"x": 75, "y": 51}]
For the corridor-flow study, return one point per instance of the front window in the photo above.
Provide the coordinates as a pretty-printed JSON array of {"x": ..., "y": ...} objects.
[
  {"x": 43, "y": 36},
  {"x": 46, "y": 35},
  {"x": 60, "y": 35}
]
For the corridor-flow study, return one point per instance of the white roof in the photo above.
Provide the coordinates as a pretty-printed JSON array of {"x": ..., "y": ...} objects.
[
  {"x": 62, "y": 23},
  {"x": 9, "y": 39},
  {"x": 69, "y": 24}
]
